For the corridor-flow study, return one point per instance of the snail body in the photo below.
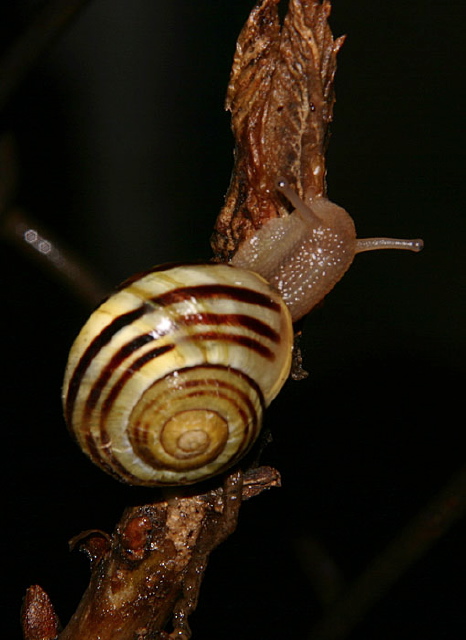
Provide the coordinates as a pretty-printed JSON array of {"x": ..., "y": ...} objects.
[
  {"x": 167, "y": 381},
  {"x": 304, "y": 254}
]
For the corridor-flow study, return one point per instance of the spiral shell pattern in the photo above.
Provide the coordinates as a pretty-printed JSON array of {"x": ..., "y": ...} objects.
[{"x": 167, "y": 381}]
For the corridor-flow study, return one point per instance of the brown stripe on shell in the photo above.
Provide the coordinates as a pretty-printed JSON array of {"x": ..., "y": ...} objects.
[
  {"x": 213, "y": 291},
  {"x": 100, "y": 341},
  {"x": 231, "y": 320},
  {"x": 117, "y": 359},
  {"x": 221, "y": 367},
  {"x": 233, "y": 338}
]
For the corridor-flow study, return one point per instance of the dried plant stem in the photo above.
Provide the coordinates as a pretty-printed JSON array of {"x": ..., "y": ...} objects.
[
  {"x": 147, "y": 575},
  {"x": 413, "y": 542},
  {"x": 281, "y": 98}
]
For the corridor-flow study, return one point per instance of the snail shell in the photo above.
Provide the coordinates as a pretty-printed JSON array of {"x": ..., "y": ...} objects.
[{"x": 167, "y": 381}]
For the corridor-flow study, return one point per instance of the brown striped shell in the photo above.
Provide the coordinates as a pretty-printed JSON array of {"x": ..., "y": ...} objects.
[{"x": 167, "y": 381}]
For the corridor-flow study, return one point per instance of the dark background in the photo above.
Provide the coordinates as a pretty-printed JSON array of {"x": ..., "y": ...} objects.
[{"x": 126, "y": 153}]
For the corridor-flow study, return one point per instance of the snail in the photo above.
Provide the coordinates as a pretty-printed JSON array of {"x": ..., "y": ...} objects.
[
  {"x": 167, "y": 382},
  {"x": 168, "y": 379}
]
